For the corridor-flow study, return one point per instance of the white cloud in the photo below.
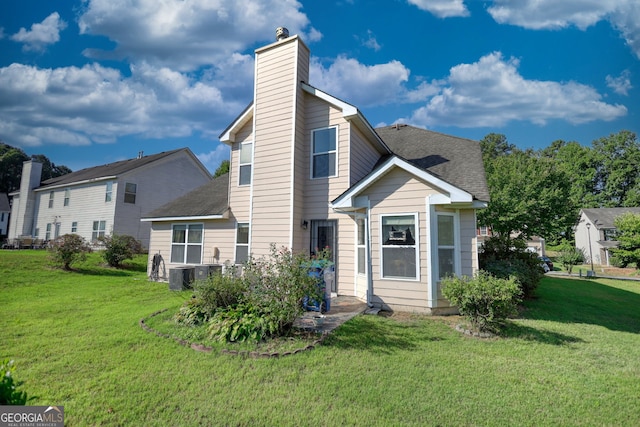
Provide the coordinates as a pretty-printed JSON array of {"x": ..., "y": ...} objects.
[
  {"x": 45, "y": 33},
  {"x": 77, "y": 106},
  {"x": 491, "y": 93},
  {"x": 185, "y": 35},
  {"x": 442, "y": 8},
  {"x": 370, "y": 41},
  {"x": 621, "y": 84},
  {"x": 359, "y": 84},
  {"x": 212, "y": 159},
  {"x": 624, "y": 15}
]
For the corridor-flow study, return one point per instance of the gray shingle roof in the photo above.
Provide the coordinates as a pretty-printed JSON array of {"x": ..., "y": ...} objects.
[
  {"x": 211, "y": 198},
  {"x": 605, "y": 217},
  {"x": 457, "y": 161},
  {"x": 103, "y": 171}
]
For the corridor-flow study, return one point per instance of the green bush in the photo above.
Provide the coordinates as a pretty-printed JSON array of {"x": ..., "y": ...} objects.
[
  {"x": 506, "y": 257},
  {"x": 68, "y": 249},
  {"x": 218, "y": 291},
  {"x": 569, "y": 256},
  {"x": 486, "y": 301},
  {"x": 9, "y": 394},
  {"x": 118, "y": 248},
  {"x": 244, "y": 322}
]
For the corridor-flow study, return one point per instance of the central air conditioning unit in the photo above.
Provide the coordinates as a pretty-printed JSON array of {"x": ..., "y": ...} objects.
[
  {"x": 180, "y": 278},
  {"x": 203, "y": 271}
]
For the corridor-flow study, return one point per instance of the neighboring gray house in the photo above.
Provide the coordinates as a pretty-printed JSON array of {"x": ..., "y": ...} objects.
[
  {"x": 5, "y": 210},
  {"x": 396, "y": 206},
  {"x": 595, "y": 233},
  {"x": 102, "y": 200}
]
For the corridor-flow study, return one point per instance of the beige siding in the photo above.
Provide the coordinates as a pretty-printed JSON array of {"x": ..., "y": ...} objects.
[
  {"x": 363, "y": 156},
  {"x": 239, "y": 196},
  {"x": 399, "y": 193},
  {"x": 218, "y": 239}
]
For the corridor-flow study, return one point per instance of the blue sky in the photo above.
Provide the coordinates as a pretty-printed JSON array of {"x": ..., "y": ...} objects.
[{"x": 88, "y": 82}]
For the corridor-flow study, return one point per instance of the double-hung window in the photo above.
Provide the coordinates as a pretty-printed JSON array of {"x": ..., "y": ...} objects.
[
  {"x": 99, "y": 229},
  {"x": 108, "y": 191},
  {"x": 47, "y": 234},
  {"x": 130, "y": 192},
  {"x": 51, "y": 199},
  {"x": 399, "y": 235},
  {"x": 246, "y": 156},
  {"x": 186, "y": 243},
  {"x": 446, "y": 245},
  {"x": 67, "y": 196},
  {"x": 242, "y": 243},
  {"x": 361, "y": 248},
  {"x": 324, "y": 152},
  {"x": 74, "y": 227}
]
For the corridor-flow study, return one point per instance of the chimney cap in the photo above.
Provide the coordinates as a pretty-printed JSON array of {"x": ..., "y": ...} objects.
[{"x": 281, "y": 33}]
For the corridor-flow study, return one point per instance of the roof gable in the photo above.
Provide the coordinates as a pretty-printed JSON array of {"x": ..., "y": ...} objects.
[
  {"x": 605, "y": 217},
  {"x": 457, "y": 161}
]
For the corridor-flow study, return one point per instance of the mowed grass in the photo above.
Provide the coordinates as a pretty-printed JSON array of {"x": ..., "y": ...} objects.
[{"x": 572, "y": 359}]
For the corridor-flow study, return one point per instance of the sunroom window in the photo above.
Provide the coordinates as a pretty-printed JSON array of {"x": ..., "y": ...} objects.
[
  {"x": 399, "y": 246},
  {"x": 186, "y": 243},
  {"x": 324, "y": 152}
]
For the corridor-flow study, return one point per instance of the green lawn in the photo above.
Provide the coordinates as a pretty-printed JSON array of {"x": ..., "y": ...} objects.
[{"x": 572, "y": 359}]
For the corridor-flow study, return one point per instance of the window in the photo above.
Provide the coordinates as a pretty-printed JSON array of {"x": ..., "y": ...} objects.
[
  {"x": 37, "y": 232},
  {"x": 99, "y": 228},
  {"x": 446, "y": 245},
  {"x": 399, "y": 247},
  {"x": 361, "y": 239},
  {"x": 246, "y": 155},
  {"x": 186, "y": 243},
  {"x": 107, "y": 194},
  {"x": 47, "y": 234},
  {"x": 50, "y": 199},
  {"x": 610, "y": 234},
  {"x": 67, "y": 195},
  {"x": 74, "y": 227},
  {"x": 242, "y": 243},
  {"x": 1, "y": 216},
  {"x": 130, "y": 192},
  {"x": 323, "y": 153},
  {"x": 484, "y": 231}
]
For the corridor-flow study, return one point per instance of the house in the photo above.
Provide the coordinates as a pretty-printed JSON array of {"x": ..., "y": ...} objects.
[
  {"x": 595, "y": 233},
  {"x": 5, "y": 210},
  {"x": 535, "y": 244},
  {"x": 396, "y": 206},
  {"x": 102, "y": 200}
]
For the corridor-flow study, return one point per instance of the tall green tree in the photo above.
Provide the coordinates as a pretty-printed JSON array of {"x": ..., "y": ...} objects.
[
  {"x": 618, "y": 175},
  {"x": 11, "y": 160},
  {"x": 529, "y": 196},
  {"x": 628, "y": 250}
]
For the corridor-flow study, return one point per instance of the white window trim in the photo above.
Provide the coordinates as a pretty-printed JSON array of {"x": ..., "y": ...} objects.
[
  {"x": 51, "y": 198},
  {"x": 250, "y": 163},
  {"x": 185, "y": 244},
  {"x": 416, "y": 245},
  {"x": 108, "y": 192},
  {"x": 236, "y": 244},
  {"x": 312, "y": 154},
  {"x": 457, "y": 268},
  {"x": 67, "y": 197},
  {"x": 98, "y": 231},
  {"x": 363, "y": 246}
]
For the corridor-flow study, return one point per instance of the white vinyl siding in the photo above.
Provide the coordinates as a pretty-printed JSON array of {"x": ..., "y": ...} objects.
[
  {"x": 400, "y": 257},
  {"x": 186, "y": 243},
  {"x": 324, "y": 152}
]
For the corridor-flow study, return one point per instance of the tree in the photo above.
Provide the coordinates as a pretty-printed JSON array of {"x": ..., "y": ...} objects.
[
  {"x": 11, "y": 160},
  {"x": 628, "y": 250},
  {"x": 222, "y": 169},
  {"x": 617, "y": 177},
  {"x": 569, "y": 256},
  {"x": 68, "y": 249},
  {"x": 494, "y": 145},
  {"x": 529, "y": 196}
]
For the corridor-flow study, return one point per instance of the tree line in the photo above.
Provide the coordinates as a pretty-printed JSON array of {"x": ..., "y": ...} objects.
[
  {"x": 540, "y": 192},
  {"x": 11, "y": 159}
]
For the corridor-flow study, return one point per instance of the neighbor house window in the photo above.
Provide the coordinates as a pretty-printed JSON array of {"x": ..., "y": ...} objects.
[
  {"x": 360, "y": 245},
  {"x": 99, "y": 228},
  {"x": 399, "y": 247},
  {"x": 67, "y": 195},
  {"x": 186, "y": 243},
  {"x": 130, "y": 192},
  {"x": 446, "y": 245},
  {"x": 47, "y": 234},
  {"x": 246, "y": 155},
  {"x": 242, "y": 243},
  {"x": 484, "y": 231},
  {"x": 109, "y": 191},
  {"x": 50, "y": 199},
  {"x": 74, "y": 227},
  {"x": 323, "y": 152}
]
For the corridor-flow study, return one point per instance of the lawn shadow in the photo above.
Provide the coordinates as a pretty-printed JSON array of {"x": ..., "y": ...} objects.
[
  {"x": 585, "y": 301},
  {"x": 543, "y": 336},
  {"x": 387, "y": 337}
]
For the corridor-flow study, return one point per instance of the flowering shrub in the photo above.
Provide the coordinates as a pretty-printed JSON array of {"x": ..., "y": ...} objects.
[{"x": 67, "y": 249}]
